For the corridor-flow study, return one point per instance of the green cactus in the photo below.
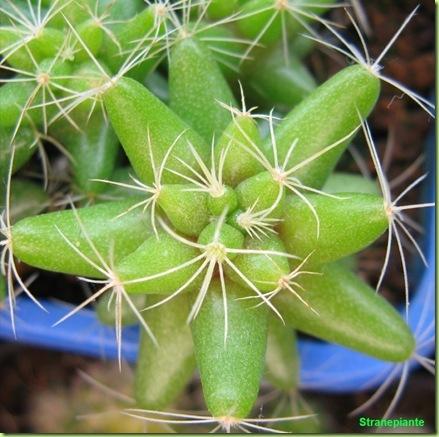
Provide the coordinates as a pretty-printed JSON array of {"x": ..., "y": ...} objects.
[{"x": 214, "y": 224}]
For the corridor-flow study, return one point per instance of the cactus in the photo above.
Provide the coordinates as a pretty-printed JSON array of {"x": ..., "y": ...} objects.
[{"x": 215, "y": 228}]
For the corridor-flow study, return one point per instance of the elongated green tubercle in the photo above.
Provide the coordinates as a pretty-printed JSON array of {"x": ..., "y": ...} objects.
[
  {"x": 327, "y": 115},
  {"x": 185, "y": 208},
  {"x": 228, "y": 236},
  {"x": 295, "y": 405},
  {"x": 339, "y": 182},
  {"x": 145, "y": 262},
  {"x": 39, "y": 242},
  {"x": 133, "y": 112},
  {"x": 94, "y": 151},
  {"x": 228, "y": 200},
  {"x": 350, "y": 313},
  {"x": 262, "y": 21},
  {"x": 301, "y": 46},
  {"x": 122, "y": 9},
  {"x": 92, "y": 36},
  {"x": 268, "y": 20},
  {"x": 14, "y": 96},
  {"x": 224, "y": 46},
  {"x": 27, "y": 198},
  {"x": 76, "y": 12},
  {"x": 46, "y": 44},
  {"x": 240, "y": 136},
  {"x": 163, "y": 370},
  {"x": 145, "y": 27},
  {"x": 260, "y": 192},
  {"x": 280, "y": 83},
  {"x": 282, "y": 356},
  {"x": 196, "y": 86},
  {"x": 116, "y": 192},
  {"x": 84, "y": 77},
  {"x": 218, "y": 9},
  {"x": 230, "y": 369},
  {"x": 106, "y": 310},
  {"x": 346, "y": 225},
  {"x": 23, "y": 149},
  {"x": 265, "y": 270}
]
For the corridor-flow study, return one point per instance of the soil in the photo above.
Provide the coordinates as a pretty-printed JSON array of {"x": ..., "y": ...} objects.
[{"x": 27, "y": 372}]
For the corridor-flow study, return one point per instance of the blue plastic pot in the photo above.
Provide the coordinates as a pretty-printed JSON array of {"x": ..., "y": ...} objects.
[{"x": 324, "y": 367}]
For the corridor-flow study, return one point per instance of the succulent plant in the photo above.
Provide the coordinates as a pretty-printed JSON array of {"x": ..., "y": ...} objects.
[{"x": 217, "y": 236}]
